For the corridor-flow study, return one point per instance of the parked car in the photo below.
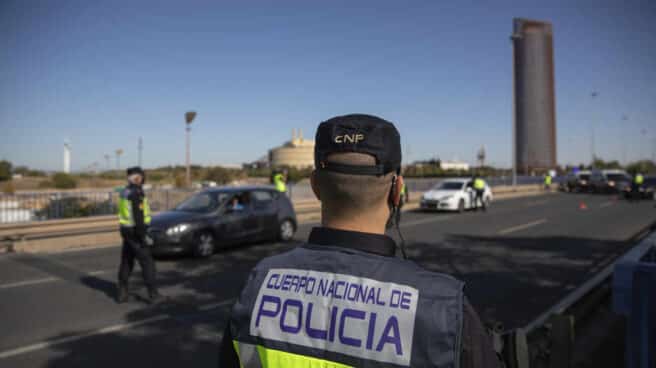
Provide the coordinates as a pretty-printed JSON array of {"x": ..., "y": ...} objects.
[
  {"x": 453, "y": 195},
  {"x": 609, "y": 181},
  {"x": 576, "y": 182},
  {"x": 219, "y": 217}
]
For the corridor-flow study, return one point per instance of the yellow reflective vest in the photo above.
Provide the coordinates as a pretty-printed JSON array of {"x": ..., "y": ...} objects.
[
  {"x": 639, "y": 179},
  {"x": 279, "y": 182},
  {"x": 479, "y": 184},
  {"x": 125, "y": 215}
]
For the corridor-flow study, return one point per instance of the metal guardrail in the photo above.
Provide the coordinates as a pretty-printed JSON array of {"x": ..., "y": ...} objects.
[{"x": 43, "y": 206}]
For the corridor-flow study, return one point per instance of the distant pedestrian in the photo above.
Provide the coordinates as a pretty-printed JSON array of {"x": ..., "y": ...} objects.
[
  {"x": 638, "y": 180},
  {"x": 280, "y": 181},
  {"x": 547, "y": 182},
  {"x": 134, "y": 219},
  {"x": 479, "y": 188}
]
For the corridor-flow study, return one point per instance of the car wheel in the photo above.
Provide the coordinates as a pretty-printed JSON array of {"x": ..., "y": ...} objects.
[
  {"x": 286, "y": 230},
  {"x": 461, "y": 206},
  {"x": 204, "y": 244}
]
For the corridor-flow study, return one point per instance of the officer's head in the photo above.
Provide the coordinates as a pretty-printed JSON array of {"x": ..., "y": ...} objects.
[
  {"x": 357, "y": 164},
  {"x": 136, "y": 175}
]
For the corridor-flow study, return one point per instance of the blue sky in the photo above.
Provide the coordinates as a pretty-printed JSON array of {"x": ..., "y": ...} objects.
[{"x": 103, "y": 73}]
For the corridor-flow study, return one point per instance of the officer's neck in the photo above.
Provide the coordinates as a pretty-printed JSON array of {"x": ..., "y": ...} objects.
[{"x": 371, "y": 223}]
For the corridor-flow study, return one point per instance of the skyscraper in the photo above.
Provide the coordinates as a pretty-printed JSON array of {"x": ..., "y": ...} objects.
[{"x": 534, "y": 95}]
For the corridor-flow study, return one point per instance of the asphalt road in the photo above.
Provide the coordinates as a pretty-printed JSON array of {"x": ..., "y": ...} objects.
[{"x": 518, "y": 259}]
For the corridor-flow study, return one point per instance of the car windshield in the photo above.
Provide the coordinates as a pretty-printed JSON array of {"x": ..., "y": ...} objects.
[
  {"x": 202, "y": 202},
  {"x": 617, "y": 177},
  {"x": 449, "y": 185}
]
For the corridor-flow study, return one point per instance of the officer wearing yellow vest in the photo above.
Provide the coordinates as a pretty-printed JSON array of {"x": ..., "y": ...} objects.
[
  {"x": 280, "y": 181},
  {"x": 638, "y": 180},
  {"x": 134, "y": 219},
  {"x": 547, "y": 181},
  {"x": 344, "y": 299},
  {"x": 479, "y": 188}
]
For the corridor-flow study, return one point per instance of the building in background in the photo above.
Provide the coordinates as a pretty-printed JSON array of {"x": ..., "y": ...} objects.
[
  {"x": 534, "y": 96},
  {"x": 298, "y": 153},
  {"x": 454, "y": 165}
]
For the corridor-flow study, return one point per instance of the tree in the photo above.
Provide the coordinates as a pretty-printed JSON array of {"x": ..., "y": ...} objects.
[
  {"x": 5, "y": 170},
  {"x": 644, "y": 167},
  {"x": 64, "y": 181}
]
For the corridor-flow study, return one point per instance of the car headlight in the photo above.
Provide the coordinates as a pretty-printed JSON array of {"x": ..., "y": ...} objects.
[
  {"x": 447, "y": 198},
  {"x": 177, "y": 229},
  {"x": 584, "y": 182},
  {"x": 611, "y": 183}
]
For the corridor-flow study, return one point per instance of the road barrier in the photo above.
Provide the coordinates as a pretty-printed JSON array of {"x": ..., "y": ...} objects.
[{"x": 54, "y": 235}]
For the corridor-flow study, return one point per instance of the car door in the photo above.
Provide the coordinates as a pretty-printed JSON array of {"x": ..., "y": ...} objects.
[
  {"x": 237, "y": 224},
  {"x": 468, "y": 194},
  {"x": 265, "y": 211}
]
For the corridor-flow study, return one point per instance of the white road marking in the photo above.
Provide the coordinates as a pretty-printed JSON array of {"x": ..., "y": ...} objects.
[
  {"x": 44, "y": 280},
  {"x": 521, "y": 227},
  {"x": 606, "y": 204},
  {"x": 425, "y": 221},
  {"x": 28, "y": 282},
  {"x": 101, "y": 331},
  {"x": 536, "y": 203}
]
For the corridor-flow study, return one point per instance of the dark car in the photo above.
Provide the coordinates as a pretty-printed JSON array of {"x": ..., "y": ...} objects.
[
  {"x": 609, "y": 181},
  {"x": 646, "y": 191},
  {"x": 219, "y": 217},
  {"x": 576, "y": 182}
]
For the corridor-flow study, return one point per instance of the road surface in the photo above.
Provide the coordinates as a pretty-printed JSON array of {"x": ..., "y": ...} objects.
[{"x": 518, "y": 259}]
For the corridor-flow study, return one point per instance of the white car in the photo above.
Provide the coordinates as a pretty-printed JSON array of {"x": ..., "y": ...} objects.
[{"x": 453, "y": 195}]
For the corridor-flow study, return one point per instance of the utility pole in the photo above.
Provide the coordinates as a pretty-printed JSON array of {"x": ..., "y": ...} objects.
[
  {"x": 140, "y": 147},
  {"x": 514, "y": 38},
  {"x": 624, "y": 120},
  {"x": 107, "y": 157},
  {"x": 119, "y": 152},
  {"x": 592, "y": 133},
  {"x": 189, "y": 117}
]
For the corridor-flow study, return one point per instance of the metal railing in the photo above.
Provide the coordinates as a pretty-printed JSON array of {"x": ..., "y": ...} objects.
[{"x": 43, "y": 206}]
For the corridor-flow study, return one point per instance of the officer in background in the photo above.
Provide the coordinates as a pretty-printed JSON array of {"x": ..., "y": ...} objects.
[
  {"x": 134, "y": 218},
  {"x": 280, "y": 181},
  {"x": 479, "y": 189},
  {"x": 343, "y": 299},
  {"x": 638, "y": 180},
  {"x": 547, "y": 181}
]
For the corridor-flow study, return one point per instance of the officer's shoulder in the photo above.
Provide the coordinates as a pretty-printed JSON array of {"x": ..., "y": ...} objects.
[{"x": 126, "y": 192}]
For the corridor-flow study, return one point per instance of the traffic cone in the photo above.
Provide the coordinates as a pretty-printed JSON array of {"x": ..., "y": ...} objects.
[{"x": 582, "y": 206}]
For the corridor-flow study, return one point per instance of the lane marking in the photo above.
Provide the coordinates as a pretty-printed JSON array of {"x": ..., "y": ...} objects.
[
  {"x": 103, "y": 331},
  {"x": 536, "y": 203},
  {"x": 606, "y": 204},
  {"x": 522, "y": 227},
  {"x": 425, "y": 221},
  {"x": 28, "y": 282}
]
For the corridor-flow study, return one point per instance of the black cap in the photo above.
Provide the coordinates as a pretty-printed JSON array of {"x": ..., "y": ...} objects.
[
  {"x": 358, "y": 133},
  {"x": 135, "y": 170}
]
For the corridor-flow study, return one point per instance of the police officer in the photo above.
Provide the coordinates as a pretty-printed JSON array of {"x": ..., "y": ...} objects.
[
  {"x": 134, "y": 218},
  {"x": 479, "y": 189},
  {"x": 280, "y": 181},
  {"x": 547, "y": 181},
  {"x": 343, "y": 299},
  {"x": 638, "y": 180}
]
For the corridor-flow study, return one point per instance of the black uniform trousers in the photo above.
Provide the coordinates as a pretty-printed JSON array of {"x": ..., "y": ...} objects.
[
  {"x": 479, "y": 196},
  {"x": 134, "y": 247}
]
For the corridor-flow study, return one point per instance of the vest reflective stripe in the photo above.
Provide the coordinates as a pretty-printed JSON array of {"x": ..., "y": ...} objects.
[
  {"x": 279, "y": 183},
  {"x": 479, "y": 184},
  {"x": 257, "y": 356},
  {"x": 125, "y": 215},
  {"x": 639, "y": 179}
]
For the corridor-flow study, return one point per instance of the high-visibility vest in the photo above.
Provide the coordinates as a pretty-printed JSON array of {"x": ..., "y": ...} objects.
[
  {"x": 547, "y": 180},
  {"x": 479, "y": 184},
  {"x": 279, "y": 182},
  {"x": 639, "y": 179},
  {"x": 125, "y": 215}
]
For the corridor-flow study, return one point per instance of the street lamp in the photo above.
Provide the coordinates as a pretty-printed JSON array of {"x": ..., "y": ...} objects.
[
  {"x": 624, "y": 120},
  {"x": 119, "y": 152},
  {"x": 189, "y": 117},
  {"x": 514, "y": 38},
  {"x": 592, "y": 132}
]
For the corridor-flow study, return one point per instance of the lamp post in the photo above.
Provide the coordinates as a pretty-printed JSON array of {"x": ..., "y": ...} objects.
[
  {"x": 514, "y": 38},
  {"x": 624, "y": 120},
  {"x": 189, "y": 117},
  {"x": 140, "y": 148},
  {"x": 592, "y": 132},
  {"x": 119, "y": 152}
]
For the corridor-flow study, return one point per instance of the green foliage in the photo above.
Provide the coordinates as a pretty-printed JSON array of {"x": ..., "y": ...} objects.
[
  {"x": 5, "y": 170},
  {"x": 644, "y": 167},
  {"x": 46, "y": 184},
  {"x": 26, "y": 171},
  {"x": 222, "y": 175},
  {"x": 64, "y": 181},
  {"x": 598, "y": 163}
]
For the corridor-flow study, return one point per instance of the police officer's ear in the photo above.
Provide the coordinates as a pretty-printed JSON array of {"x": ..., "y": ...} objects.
[
  {"x": 396, "y": 190},
  {"x": 313, "y": 183}
]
